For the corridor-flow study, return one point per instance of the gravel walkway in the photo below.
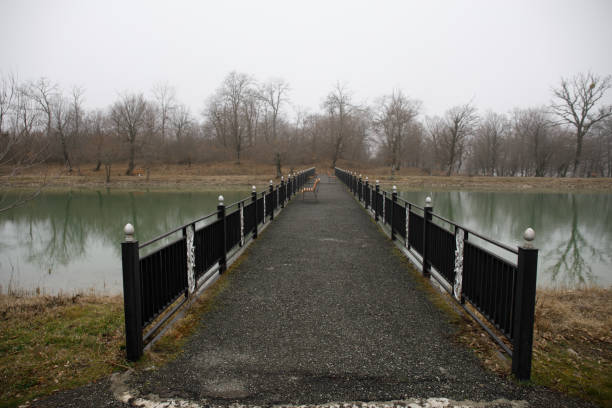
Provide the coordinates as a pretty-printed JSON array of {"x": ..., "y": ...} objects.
[{"x": 322, "y": 310}]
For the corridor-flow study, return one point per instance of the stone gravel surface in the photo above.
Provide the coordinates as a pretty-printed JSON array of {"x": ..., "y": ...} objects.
[{"x": 323, "y": 310}]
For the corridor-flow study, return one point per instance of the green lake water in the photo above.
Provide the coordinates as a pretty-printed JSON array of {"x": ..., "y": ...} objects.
[
  {"x": 573, "y": 230},
  {"x": 67, "y": 242}
]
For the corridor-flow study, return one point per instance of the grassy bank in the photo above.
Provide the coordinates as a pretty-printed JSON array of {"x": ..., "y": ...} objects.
[
  {"x": 416, "y": 179},
  {"x": 53, "y": 343},
  {"x": 572, "y": 351},
  {"x": 161, "y": 176},
  {"x": 49, "y": 343},
  {"x": 573, "y": 343},
  {"x": 232, "y": 175}
]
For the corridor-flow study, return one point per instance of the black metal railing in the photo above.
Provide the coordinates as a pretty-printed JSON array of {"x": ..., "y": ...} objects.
[
  {"x": 158, "y": 284},
  {"x": 499, "y": 283}
]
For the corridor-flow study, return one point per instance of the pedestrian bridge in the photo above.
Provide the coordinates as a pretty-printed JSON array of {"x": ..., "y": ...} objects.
[{"x": 324, "y": 307}]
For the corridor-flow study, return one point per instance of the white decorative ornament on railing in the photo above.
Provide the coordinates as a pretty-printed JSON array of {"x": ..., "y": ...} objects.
[
  {"x": 264, "y": 206},
  {"x": 190, "y": 259},
  {"x": 458, "y": 287},
  {"x": 383, "y": 196},
  {"x": 406, "y": 241}
]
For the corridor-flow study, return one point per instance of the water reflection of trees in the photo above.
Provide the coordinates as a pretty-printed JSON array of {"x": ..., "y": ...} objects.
[
  {"x": 58, "y": 228},
  {"x": 574, "y": 231},
  {"x": 570, "y": 267}
]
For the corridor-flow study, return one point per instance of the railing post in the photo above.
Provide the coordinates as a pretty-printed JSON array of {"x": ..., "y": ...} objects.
[
  {"x": 360, "y": 188},
  {"x": 288, "y": 189},
  {"x": 426, "y": 220},
  {"x": 367, "y": 195},
  {"x": 130, "y": 259},
  {"x": 393, "y": 201},
  {"x": 407, "y": 226},
  {"x": 221, "y": 216},
  {"x": 282, "y": 199},
  {"x": 254, "y": 199},
  {"x": 524, "y": 307},
  {"x": 376, "y": 201},
  {"x": 271, "y": 200}
]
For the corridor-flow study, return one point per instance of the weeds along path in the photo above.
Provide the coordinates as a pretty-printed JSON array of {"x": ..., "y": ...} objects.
[{"x": 321, "y": 310}]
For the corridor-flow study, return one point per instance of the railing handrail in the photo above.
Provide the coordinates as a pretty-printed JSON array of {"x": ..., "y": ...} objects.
[
  {"x": 179, "y": 228},
  {"x": 469, "y": 230},
  {"x": 156, "y": 285},
  {"x": 175, "y": 230}
]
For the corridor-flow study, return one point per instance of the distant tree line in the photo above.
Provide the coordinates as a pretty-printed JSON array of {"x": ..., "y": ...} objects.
[{"x": 249, "y": 119}]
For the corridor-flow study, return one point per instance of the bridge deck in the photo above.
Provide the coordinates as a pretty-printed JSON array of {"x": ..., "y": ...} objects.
[{"x": 321, "y": 310}]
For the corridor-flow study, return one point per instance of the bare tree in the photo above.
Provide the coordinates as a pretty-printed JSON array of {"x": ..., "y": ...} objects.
[
  {"x": 488, "y": 142},
  {"x": 128, "y": 115},
  {"x": 225, "y": 111},
  {"x": 20, "y": 144},
  {"x": 533, "y": 127},
  {"x": 61, "y": 116},
  {"x": 450, "y": 135},
  {"x": 274, "y": 93},
  {"x": 43, "y": 93},
  {"x": 577, "y": 104},
  {"x": 97, "y": 123},
  {"x": 181, "y": 120},
  {"x": 76, "y": 118},
  {"x": 393, "y": 117},
  {"x": 605, "y": 135},
  {"x": 251, "y": 107},
  {"x": 338, "y": 108},
  {"x": 8, "y": 90},
  {"x": 165, "y": 95}
]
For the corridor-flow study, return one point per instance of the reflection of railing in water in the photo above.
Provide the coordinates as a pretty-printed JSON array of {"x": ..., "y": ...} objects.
[
  {"x": 158, "y": 284},
  {"x": 502, "y": 291}
]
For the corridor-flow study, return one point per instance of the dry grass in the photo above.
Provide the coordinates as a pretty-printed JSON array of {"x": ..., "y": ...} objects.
[
  {"x": 196, "y": 176},
  {"x": 416, "y": 179},
  {"x": 48, "y": 343},
  {"x": 573, "y": 342},
  {"x": 230, "y": 174},
  {"x": 572, "y": 349},
  {"x": 52, "y": 343}
]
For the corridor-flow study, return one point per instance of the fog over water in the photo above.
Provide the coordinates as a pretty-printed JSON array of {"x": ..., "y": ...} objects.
[{"x": 498, "y": 54}]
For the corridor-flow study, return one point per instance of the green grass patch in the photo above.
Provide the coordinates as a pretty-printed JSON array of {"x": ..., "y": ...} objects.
[{"x": 54, "y": 343}]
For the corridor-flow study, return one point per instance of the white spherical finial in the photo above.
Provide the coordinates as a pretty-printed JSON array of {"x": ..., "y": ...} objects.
[
  {"x": 360, "y": 176},
  {"x": 428, "y": 202},
  {"x": 529, "y": 236},
  {"x": 367, "y": 178},
  {"x": 129, "y": 232},
  {"x": 221, "y": 200},
  {"x": 271, "y": 182},
  {"x": 282, "y": 178},
  {"x": 395, "y": 189},
  {"x": 254, "y": 188},
  {"x": 377, "y": 182}
]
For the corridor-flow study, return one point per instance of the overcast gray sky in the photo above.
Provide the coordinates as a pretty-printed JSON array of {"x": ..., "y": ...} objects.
[{"x": 500, "y": 54}]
